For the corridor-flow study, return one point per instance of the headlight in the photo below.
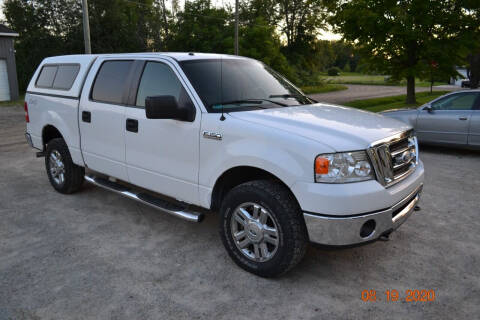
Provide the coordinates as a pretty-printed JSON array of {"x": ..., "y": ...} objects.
[{"x": 343, "y": 167}]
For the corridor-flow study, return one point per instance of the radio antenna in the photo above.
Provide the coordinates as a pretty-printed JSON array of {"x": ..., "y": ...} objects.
[{"x": 222, "y": 117}]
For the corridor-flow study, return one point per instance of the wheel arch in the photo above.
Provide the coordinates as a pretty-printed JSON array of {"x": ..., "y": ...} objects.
[
  {"x": 237, "y": 175},
  {"x": 50, "y": 132}
]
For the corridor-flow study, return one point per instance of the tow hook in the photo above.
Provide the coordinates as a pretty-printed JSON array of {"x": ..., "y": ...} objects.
[{"x": 417, "y": 208}]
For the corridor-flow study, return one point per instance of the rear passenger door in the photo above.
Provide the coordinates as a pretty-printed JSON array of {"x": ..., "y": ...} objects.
[
  {"x": 102, "y": 116},
  {"x": 162, "y": 154}
]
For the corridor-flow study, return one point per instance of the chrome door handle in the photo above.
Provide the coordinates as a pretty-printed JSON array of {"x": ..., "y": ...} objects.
[{"x": 462, "y": 118}]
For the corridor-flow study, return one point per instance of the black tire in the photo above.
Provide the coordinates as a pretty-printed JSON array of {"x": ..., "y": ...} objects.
[
  {"x": 284, "y": 209},
  {"x": 73, "y": 174}
]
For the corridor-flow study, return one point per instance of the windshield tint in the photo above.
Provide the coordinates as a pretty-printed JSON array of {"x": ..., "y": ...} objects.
[{"x": 240, "y": 84}]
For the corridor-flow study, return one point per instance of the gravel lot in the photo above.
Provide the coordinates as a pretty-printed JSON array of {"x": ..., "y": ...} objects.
[
  {"x": 356, "y": 91},
  {"x": 98, "y": 255}
]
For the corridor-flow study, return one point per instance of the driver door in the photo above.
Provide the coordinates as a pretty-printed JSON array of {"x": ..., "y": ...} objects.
[
  {"x": 448, "y": 120},
  {"x": 162, "y": 155}
]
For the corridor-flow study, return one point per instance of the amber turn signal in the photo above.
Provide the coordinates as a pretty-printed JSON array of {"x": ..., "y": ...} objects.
[{"x": 321, "y": 165}]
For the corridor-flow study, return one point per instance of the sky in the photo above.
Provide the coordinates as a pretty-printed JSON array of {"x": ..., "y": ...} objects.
[{"x": 326, "y": 35}]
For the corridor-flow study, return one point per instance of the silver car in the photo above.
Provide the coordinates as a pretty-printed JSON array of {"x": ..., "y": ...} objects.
[{"x": 452, "y": 119}]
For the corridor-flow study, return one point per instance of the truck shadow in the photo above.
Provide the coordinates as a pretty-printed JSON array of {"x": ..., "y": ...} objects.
[
  {"x": 168, "y": 232},
  {"x": 200, "y": 247}
]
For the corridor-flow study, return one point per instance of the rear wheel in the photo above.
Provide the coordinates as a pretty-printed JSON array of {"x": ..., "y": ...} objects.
[
  {"x": 65, "y": 176},
  {"x": 262, "y": 228}
]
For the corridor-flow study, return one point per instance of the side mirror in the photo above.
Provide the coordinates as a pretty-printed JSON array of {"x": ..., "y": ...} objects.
[
  {"x": 429, "y": 109},
  {"x": 166, "y": 107}
]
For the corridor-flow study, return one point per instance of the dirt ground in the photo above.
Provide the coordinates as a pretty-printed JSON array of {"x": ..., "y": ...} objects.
[{"x": 96, "y": 255}]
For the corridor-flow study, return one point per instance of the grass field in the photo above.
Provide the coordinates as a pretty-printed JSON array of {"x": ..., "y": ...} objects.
[
  {"x": 359, "y": 78},
  {"x": 328, "y": 87},
  {"x": 394, "y": 102}
]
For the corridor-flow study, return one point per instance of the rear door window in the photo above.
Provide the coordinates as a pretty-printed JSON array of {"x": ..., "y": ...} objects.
[{"x": 111, "y": 82}]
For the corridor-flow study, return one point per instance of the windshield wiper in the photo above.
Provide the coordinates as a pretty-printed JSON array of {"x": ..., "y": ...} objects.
[
  {"x": 288, "y": 95},
  {"x": 253, "y": 101},
  {"x": 275, "y": 102}
]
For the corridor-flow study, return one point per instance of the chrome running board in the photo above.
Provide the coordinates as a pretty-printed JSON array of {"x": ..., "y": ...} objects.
[{"x": 177, "y": 210}]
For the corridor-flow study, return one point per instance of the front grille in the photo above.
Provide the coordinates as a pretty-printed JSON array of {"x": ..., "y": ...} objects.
[
  {"x": 394, "y": 158},
  {"x": 398, "y": 145}
]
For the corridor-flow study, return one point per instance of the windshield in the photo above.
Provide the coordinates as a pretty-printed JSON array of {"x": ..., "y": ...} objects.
[{"x": 240, "y": 84}]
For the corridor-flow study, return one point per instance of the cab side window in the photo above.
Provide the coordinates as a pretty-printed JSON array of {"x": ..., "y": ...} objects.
[
  {"x": 461, "y": 101},
  {"x": 158, "y": 79}
]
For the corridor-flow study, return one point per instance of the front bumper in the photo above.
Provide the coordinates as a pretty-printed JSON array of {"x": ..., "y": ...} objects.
[{"x": 355, "y": 229}]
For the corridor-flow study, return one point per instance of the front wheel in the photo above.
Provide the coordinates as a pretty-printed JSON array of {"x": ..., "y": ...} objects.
[
  {"x": 262, "y": 228},
  {"x": 64, "y": 175}
]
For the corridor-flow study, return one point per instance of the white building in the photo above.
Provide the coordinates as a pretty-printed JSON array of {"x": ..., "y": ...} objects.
[{"x": 457, "y": 81}]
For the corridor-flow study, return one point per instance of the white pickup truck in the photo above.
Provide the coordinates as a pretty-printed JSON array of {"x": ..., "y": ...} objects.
[{"x": 191, "y": 133}]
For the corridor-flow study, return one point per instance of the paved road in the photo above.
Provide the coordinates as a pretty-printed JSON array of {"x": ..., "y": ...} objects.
[
  {"x": 96, "y": 255},
  {"x": 355, "y": 92}
]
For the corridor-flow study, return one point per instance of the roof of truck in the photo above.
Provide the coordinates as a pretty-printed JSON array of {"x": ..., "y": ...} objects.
[
  {"x": 179, "y": 56},
  {"x": 85, "y": 61}
]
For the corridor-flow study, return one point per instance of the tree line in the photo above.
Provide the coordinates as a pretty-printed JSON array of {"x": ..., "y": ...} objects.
[
  {"x": 401, "y": 38},
  {"x": 280, "y": 33},
  {"x": 412, "y": 38}
]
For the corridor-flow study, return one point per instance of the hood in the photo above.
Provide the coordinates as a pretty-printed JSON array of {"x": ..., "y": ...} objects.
[{"x": 340, "y": 128}]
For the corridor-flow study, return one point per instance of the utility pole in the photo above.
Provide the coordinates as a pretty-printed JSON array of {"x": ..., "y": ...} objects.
[
  {"x": 86, "y": 28},
  {"x": 236, "y": 27}
]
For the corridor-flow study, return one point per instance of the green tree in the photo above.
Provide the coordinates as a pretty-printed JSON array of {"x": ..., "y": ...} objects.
[
  {"x": 300, "y": 20},
  {"x": 259, "y": 41},
  {"x": 202, "y": 27},
  {"x": 120, "y": 26},
  {"x": 283, "y": 34},
  {"x": 397, "y": 35},
  {"x": 49, "y": 28},
  {"x": 267, "y": 10},
  {"x": 45, "y": 29},
  {"x": 296, "y": 23},
  {"x": 471, "y": 38},
  {"x": 259, "y": 38},
  {"x": 473, "y": 70},
  {"x": 325, "y": 55},
  {"x": 437, "y": 64}
]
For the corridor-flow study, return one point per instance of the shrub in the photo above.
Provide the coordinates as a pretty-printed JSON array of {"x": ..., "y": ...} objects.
[
  {"x": 333, "y": 71},
  {"x": 391, "y": 80}
]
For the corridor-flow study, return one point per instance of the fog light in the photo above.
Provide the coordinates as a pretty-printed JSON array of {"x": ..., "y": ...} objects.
[{"x": 368, "y": 228}]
